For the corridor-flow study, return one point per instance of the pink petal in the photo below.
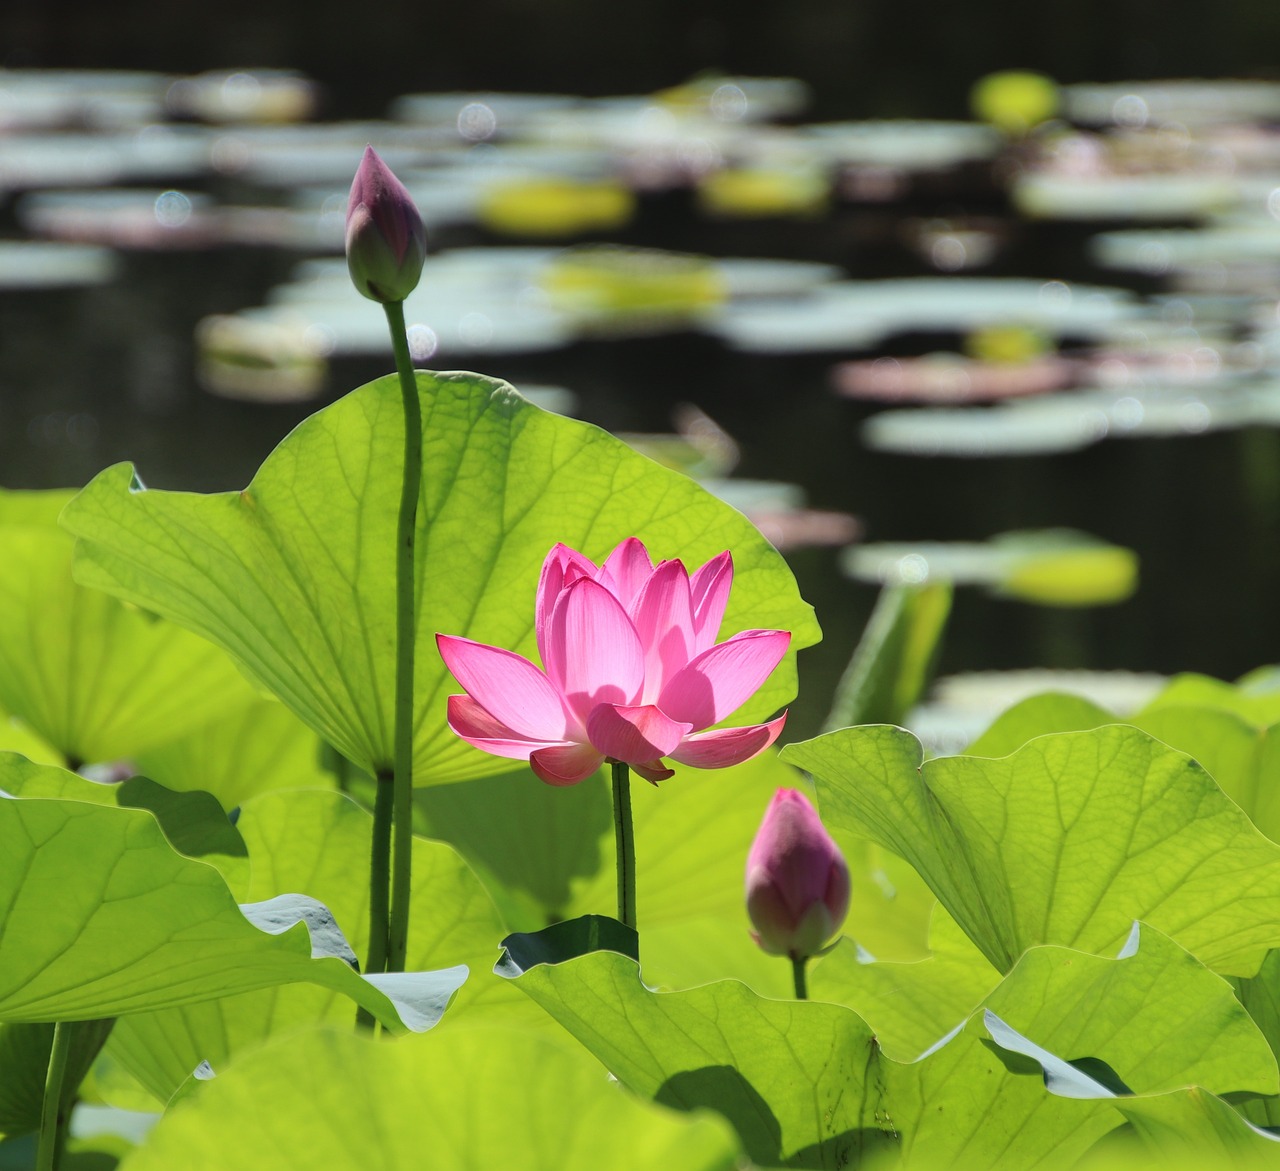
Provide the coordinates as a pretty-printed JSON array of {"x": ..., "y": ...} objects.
[
  {"x": 565, "y": 764},
  {"x": 653, "y": 772},
  {"x": 562, "y": 567},
  {"x": 726, "y": 746},
  {"x": 662, "y": 614},
  {"x": 709, "y": 588},
  {"x": 510, "y": 688},
  {"x": 625, "y": 570},
  {"x": 634, "y": 735},
  {"x": 593, "y": 655},
  {"x": 478, "y": 728},
  {"x": 722, "y": 678}
]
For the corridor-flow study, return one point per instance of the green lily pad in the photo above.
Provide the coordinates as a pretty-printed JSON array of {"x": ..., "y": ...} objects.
[
  {"x": 255, "y": 748},
  {"x": 910, "y": 1005},
  {"x": 1052, "y": 567},
  {"x": 467, "y": 1098},
  {"x": 1243, "y": 757},
  {"x": 806, "y": 1084},
  {"x": 294, "y": 576},
  {"x": 139, "y": 926},
  {"x": 194, "y": 823},
  {"x": 1064, "y": 842},
  {"x": 319, "y": 842},
  {"x": 95, "y": 679},
  {"x": 798, "y": 1081}
]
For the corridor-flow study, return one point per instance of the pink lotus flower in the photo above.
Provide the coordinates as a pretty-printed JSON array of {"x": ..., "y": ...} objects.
[
  {"x": 631, "y": 672},
  {"x": 797, "y": 879},
  {"x": 386, "y": 241}
]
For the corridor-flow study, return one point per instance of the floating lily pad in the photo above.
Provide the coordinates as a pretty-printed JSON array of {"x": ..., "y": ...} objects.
[
  {"x": 1046, "y": 195},
  {"x": 94, "y": 160},
  {"x": 859, "y": 315},
  {"x": 951, "y": 378},
  {"x": 124, "y": 219},
  {"x": 50, "y": 99},
  {"x": 1053, "y": 567},
  {"x": 28, "y": 264},
  {"x": 258, "y": 95},
  {"x": 961, "y": 707},
  {"x": 1041, "y": 426},
  {"x": 1191, "y": 102},
  {"x": 902, "y": 144}
]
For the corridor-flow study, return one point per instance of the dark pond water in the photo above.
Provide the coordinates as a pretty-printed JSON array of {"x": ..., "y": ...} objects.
[{"x": 92, "y": 375}]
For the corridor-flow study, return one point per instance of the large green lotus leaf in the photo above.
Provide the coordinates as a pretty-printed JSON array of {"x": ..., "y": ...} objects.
[
  {"x": 909, "y": 1005},
  {"x": 318, "y": 842},
  {"x": 1197, "y": 1130},
  {"x": 806, "y": 1084},
  {"x": 103, "y": 917},
  {"x": 1260, "y": 995},
  {"x": 1038, "y": 715},
  {"x": 1241, "y": 756},
  {"x": 1154, "y": 1019},
  {"x": 548, "y": 853},
  {"x": 15, "y": 736},
  {"x": 1168, "y": 1125},
  {"x": 1156, "y": 1015},
  {"x": 295, "y": 575},
  {"x": 255, "y": 748},
  {"x": 96, "y": 679},
  {"x": 530, "y": 842},
  {"x": 464, "y": 1098},
  {"x": 800, "y": 1082},
  {"x": 1254, "y": 698},
  {"x": 1067, "y": 841}
]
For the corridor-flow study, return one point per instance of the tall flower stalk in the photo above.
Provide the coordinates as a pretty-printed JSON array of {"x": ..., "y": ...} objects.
[
  {"x": 386, "y": 247},
  {"x": 631, "y": 675}
]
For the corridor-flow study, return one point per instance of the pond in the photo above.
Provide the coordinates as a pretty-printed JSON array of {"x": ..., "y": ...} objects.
[{"x": 887, "y": 333}]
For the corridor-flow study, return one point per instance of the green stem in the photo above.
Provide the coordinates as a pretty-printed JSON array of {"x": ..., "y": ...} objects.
[
  {"x": 625, "y": 843},
  {"x": 406, "y": 633},
  {"x": 797, "y": 972},
  {"x": 380, "y": 877},
  {"x": 53, "y": 1116}
]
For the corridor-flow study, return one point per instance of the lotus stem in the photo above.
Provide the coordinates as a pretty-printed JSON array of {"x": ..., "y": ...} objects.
[
  {"x": 798, "y": 974},
  {"x": 625, "y": 843},
  {"x": 380, "y": 876},
  {"x": 53, "y": 1115},
  {"x": 406, "y": 633}
]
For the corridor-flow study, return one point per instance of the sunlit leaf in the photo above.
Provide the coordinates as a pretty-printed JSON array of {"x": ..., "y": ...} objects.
[
  {"x": 194, "y": 823},
  {"x": 800, "y": 1082},
  {"x": 103, "y": 917},
  {"x": 463, "y": 1098},
  {"x": 909, "y": 1005},
  {"x": 1067, "y": 841},
  {"x": 95, "y": 679},
  {"x": 294, "y": 576},
  {"x": 255, "y": 748},
  {"x": 1217, "y": 729},
  {"x": 319, "y": 843}
]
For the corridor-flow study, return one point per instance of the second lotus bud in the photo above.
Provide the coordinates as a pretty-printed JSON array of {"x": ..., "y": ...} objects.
[{"x": 797, "y": 879}]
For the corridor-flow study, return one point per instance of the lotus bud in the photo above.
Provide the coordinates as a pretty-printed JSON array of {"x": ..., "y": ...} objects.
[
  {"x": 386, "y": 242},
  {"x": 797, "y": 879}
]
